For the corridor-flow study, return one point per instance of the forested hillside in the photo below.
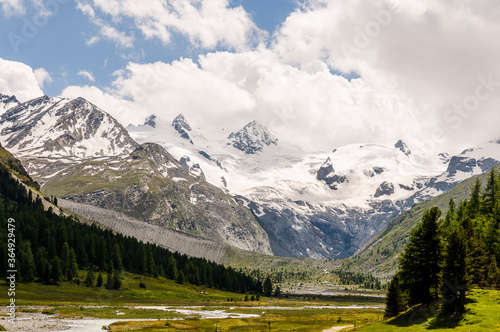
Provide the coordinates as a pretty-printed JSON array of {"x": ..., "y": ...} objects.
[
  {"x": 51, "y": 248},
  {"x": 446, "y": 255}
]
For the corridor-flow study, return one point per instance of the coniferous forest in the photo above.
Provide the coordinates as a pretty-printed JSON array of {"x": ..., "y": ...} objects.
[
  {"x": 51, "y": 248},
  {"x": 446, "y": 255}
]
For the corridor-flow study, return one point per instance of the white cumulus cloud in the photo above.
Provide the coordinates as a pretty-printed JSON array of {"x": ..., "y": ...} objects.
[
  {"x": 42, "y": 76},
  {"x": 206, "y": 24},
  {"x": 18, "y": 79},
  {"x": 12, "y": 7}
]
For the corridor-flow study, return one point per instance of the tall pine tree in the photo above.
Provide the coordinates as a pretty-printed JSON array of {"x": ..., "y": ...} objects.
[
  {"x": 422, "y": 258},
  {"x": 455, "y": 272},
  {"x": 394, "y": 303}
]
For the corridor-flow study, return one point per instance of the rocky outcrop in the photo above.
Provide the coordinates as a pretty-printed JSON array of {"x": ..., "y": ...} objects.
[
  {"x": 193, "y": 168},
  {"x": 7, "y": 102},
  {"x": 461, "y": 164},
  {"x": 402, "y": 147},
  {"x": 386, "y": 188},
  {"x": 326, "y": 173},
  {"x": 150, "y": 121},
  {"x": 181, "y": 125}
]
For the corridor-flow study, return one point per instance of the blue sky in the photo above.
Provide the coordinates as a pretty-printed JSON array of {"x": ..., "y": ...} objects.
[
  {"x": 318, "y": 73},
  {"x": 59, "y": 45}
]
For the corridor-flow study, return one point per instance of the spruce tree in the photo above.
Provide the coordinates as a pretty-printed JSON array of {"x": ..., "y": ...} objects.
[
  {"x": 268, "y": 287},
  {"x": 150, "y": 262},
  {"x": 72, "y": 270},
  {"x": 277, "y": 292},
  {"x": 89, "y": 279},
  {"x": 109, "y": 281},
  {"x": 395, "y": 303},
  {"x": 455, "y": 273},
  {"x": 140, "y": 259},
  {"x": 116, "y": 257},
  {"x": 117, "y": 283},
  {"x": 493, "y": 273},
  {"x": 45, "y": 271},
  {"x": 27, "y": 260},
  {"x": 473, "y": 208},
  {"x": 181, "y": 278},
  {"x": 101, "y": 253},
  {"x": 55, "y": 271},
  {"x": 172, "y": 268},
  {"x": 99, "y": 280},
  {"x": 65, "y": 261},
  {"x": 491, "y": 192},
  {"x": 422, "y": 258}
]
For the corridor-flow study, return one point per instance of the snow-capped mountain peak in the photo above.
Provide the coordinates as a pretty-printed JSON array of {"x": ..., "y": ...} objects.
[
  {"x": 67, "y": 130},
  {"x": 181, "y": 122},
  {"x": 181, "y": 125},
  {"x": 252, "y": 138},
  {"x": 150, "y": 121}
]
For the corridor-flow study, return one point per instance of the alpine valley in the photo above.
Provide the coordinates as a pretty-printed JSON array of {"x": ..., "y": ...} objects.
[{"x": 237, "y": 188}]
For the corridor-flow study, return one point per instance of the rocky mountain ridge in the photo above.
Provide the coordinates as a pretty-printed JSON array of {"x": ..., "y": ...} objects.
[
  {"x": 47, "y": 134},
  {"x": 151, "y": 186},
  {"x": 322, "y": 205},
  {"x": 315, "y": 205}
]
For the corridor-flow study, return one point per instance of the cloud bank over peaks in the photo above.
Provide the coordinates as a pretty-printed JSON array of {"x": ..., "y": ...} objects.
[
  {"x": 313, "y": 109},
  {"x": 435, "y": 54}
]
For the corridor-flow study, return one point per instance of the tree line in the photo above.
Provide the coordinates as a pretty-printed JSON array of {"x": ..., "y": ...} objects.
[
  {"x": 51, "y": 248},
  {"x": 445, "y": 256}
]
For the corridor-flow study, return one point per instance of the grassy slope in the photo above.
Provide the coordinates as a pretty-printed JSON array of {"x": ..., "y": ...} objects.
[
  {"x": 380, "y": 255},
  {"x": 482, "y": 314},
  {"x": 15, "y": 166},
  {"x": 159, "y": 291}
]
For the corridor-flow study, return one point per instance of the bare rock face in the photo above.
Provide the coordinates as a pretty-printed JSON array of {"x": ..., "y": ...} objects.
[
  {"x": 193, "y": 168},
  {"x": 150, "y": 121},
  {"x": 151, "y": 186},
  {"x": 7, "y": 102},
  {"x": 326, "y": 173},
  {"x": 402, "y": 147},
  {"x": 181, "y": 125},
  {"x": 252, "y": 138},
  {"x": 386, "y": 188}
]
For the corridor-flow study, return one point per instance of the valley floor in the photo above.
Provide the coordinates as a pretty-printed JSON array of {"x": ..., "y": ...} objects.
[{"x": 168, "y": 306}]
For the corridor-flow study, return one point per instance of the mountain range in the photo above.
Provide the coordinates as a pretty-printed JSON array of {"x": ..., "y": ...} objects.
[{"x": 244, "y": 188}]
